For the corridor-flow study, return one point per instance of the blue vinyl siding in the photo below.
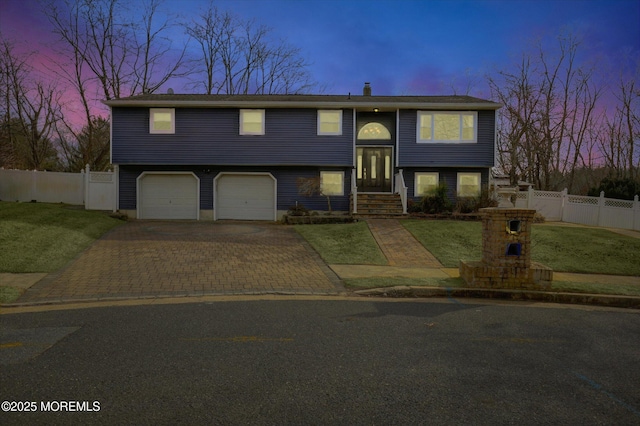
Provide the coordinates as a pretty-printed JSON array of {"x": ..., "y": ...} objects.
[
  {"x": 211, "y": 136},
  {"x": 413, "y": 154},
  {"x": 286, "y": 178}
]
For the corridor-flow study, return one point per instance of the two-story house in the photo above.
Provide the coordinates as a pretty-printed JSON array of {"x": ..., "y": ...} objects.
[{"x": 241, "y": 156}]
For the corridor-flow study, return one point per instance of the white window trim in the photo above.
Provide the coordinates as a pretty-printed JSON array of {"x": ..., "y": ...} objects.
[
  {"x": 333, "y": 172},
  {"x": 242, "y": 131},
  {"x": 478, "y": 174},
  {"x": 321, "y": 133},
  {"x": 415, "y": 181},
  {"x": 153, "y": 111},
  {"x": 460, "y": 114}
]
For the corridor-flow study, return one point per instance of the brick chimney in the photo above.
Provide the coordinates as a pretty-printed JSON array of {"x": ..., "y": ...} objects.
[{"x": 366, "y": 91}]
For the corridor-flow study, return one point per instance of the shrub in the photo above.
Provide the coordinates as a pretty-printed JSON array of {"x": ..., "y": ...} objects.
[
  {"x": 298, "y": 210},
  {"x": 436, "y": 201},
  {"x": 473, "y": 204},
  {"x": 623, "y": 189},
  {"x": 413, "y": 207}
]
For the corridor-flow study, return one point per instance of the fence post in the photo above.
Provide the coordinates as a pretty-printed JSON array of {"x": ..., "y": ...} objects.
[
  {"x": 600, "y": 207},
  {"x": 530, "y": 202},
  {"x": 636, "y": 213},
  {"x": 563, "y": 204},
  {"x": 86, "y": 172}
]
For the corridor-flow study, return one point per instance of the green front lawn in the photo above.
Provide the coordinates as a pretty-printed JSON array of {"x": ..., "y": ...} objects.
[
  {"x": 348, "y": 243},
  {"x": 38, "y": 237},
  {"x": 562, "y": 248}
]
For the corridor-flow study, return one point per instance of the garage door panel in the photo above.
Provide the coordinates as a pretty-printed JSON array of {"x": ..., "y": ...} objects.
[
  {"x": 245, "y": 197},
  {"x": 169, "y": 196}
]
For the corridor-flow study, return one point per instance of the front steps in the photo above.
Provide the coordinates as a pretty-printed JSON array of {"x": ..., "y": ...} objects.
[{"x": 379, "y": 205}]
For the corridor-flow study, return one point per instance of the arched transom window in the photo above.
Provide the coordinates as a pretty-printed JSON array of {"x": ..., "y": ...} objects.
[{"x": 374, "y": 131}]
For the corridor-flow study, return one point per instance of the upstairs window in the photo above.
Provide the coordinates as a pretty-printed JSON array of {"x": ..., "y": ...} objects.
[
  {"x": 162, "y": 120},
  {"x": 329, "y": 122},
  {"x": 425, "y": 183},
  {"x": 447, "y": 127},
  {"x": 252, "y": 122}
]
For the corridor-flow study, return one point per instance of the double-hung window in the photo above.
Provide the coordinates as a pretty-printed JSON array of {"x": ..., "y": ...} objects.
[
  {"x": 332, "y": 183},
  {"x": 447, "y": 127},
  {"x": 425, "y": 183},
  {"x": 252, "y": 122},
  {"x": 468, "y": 184},
  {"x": 162, "y": 120},
  {"x": 329, "y": 122}
]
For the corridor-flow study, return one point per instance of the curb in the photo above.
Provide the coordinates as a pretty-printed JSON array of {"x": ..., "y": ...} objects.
[
  {"x": 151, "y": 297},
  {"x": 612, "y": 301}
]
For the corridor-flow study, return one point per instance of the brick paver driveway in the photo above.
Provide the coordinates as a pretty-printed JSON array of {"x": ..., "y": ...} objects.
[{"x": 158, "y": 258}]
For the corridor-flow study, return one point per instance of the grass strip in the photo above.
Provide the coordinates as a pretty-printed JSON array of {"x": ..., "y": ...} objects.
[
  {"x": 9, "y": 294},
  {"x": 39, "y": 237},
  {"x": 346, "y": 244}
]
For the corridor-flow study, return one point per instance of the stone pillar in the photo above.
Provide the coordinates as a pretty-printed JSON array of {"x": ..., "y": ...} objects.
[{"x": 506, "y": 253}]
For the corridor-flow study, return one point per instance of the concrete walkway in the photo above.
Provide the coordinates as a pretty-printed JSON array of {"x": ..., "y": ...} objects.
[{"x": 399, "y": 246}]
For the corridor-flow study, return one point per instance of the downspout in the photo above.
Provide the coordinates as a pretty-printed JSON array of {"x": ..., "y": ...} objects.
[
  {"x": 116, "y": 168},
  {"x": 354, "y": 187}
]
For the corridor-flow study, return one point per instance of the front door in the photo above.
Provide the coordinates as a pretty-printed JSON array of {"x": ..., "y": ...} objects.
[{"x": 374, "y": 169}]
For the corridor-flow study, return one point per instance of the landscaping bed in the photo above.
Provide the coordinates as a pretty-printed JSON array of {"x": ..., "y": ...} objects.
[{"x": 316, "y": 219}]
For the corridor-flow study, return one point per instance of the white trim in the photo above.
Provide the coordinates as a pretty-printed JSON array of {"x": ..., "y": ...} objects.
[
  {"x": 139, "y": 192},
  {"x": 171, "y": 111},
  {"x": 319, "y": 122},
  {"x": 460, "y": 114},
  {"x": 221, "y": 174},
  {"x": 353, "y": 131},
  {"x": 314, "y": 104},
  {"x": 241, "y": 118}
]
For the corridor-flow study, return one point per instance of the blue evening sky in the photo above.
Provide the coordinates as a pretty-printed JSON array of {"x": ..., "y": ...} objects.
[{"x": 404, "y": 46}]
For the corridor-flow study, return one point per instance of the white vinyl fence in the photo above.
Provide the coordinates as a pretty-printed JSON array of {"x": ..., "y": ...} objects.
[
  {"x": 594, "y": 211},
  {"x": 94, "y": 190}
]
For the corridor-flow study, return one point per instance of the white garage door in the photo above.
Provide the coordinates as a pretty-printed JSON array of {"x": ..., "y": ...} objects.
[
  {"x": 245, "y": 197},
  {"x": 168, "y": 196}
]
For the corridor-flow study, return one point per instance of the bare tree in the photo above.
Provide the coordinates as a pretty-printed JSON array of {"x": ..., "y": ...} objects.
[
  {"x": 31, "y": 110},
  {"x": 517, "y": 120},
  {"x": 124, "y": 57},
  {"x": 620, "y": 145},
  {"x": 242, "y": 57},
  {"x": 108, "y": 47},
  {"x": 155, "y": 62},
  {"x": 549, "y": 115},
  {"x": 90, "y": 146}
]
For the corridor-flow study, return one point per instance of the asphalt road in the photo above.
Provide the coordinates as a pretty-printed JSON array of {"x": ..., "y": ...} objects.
[{"x": 331, "y": 362}]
